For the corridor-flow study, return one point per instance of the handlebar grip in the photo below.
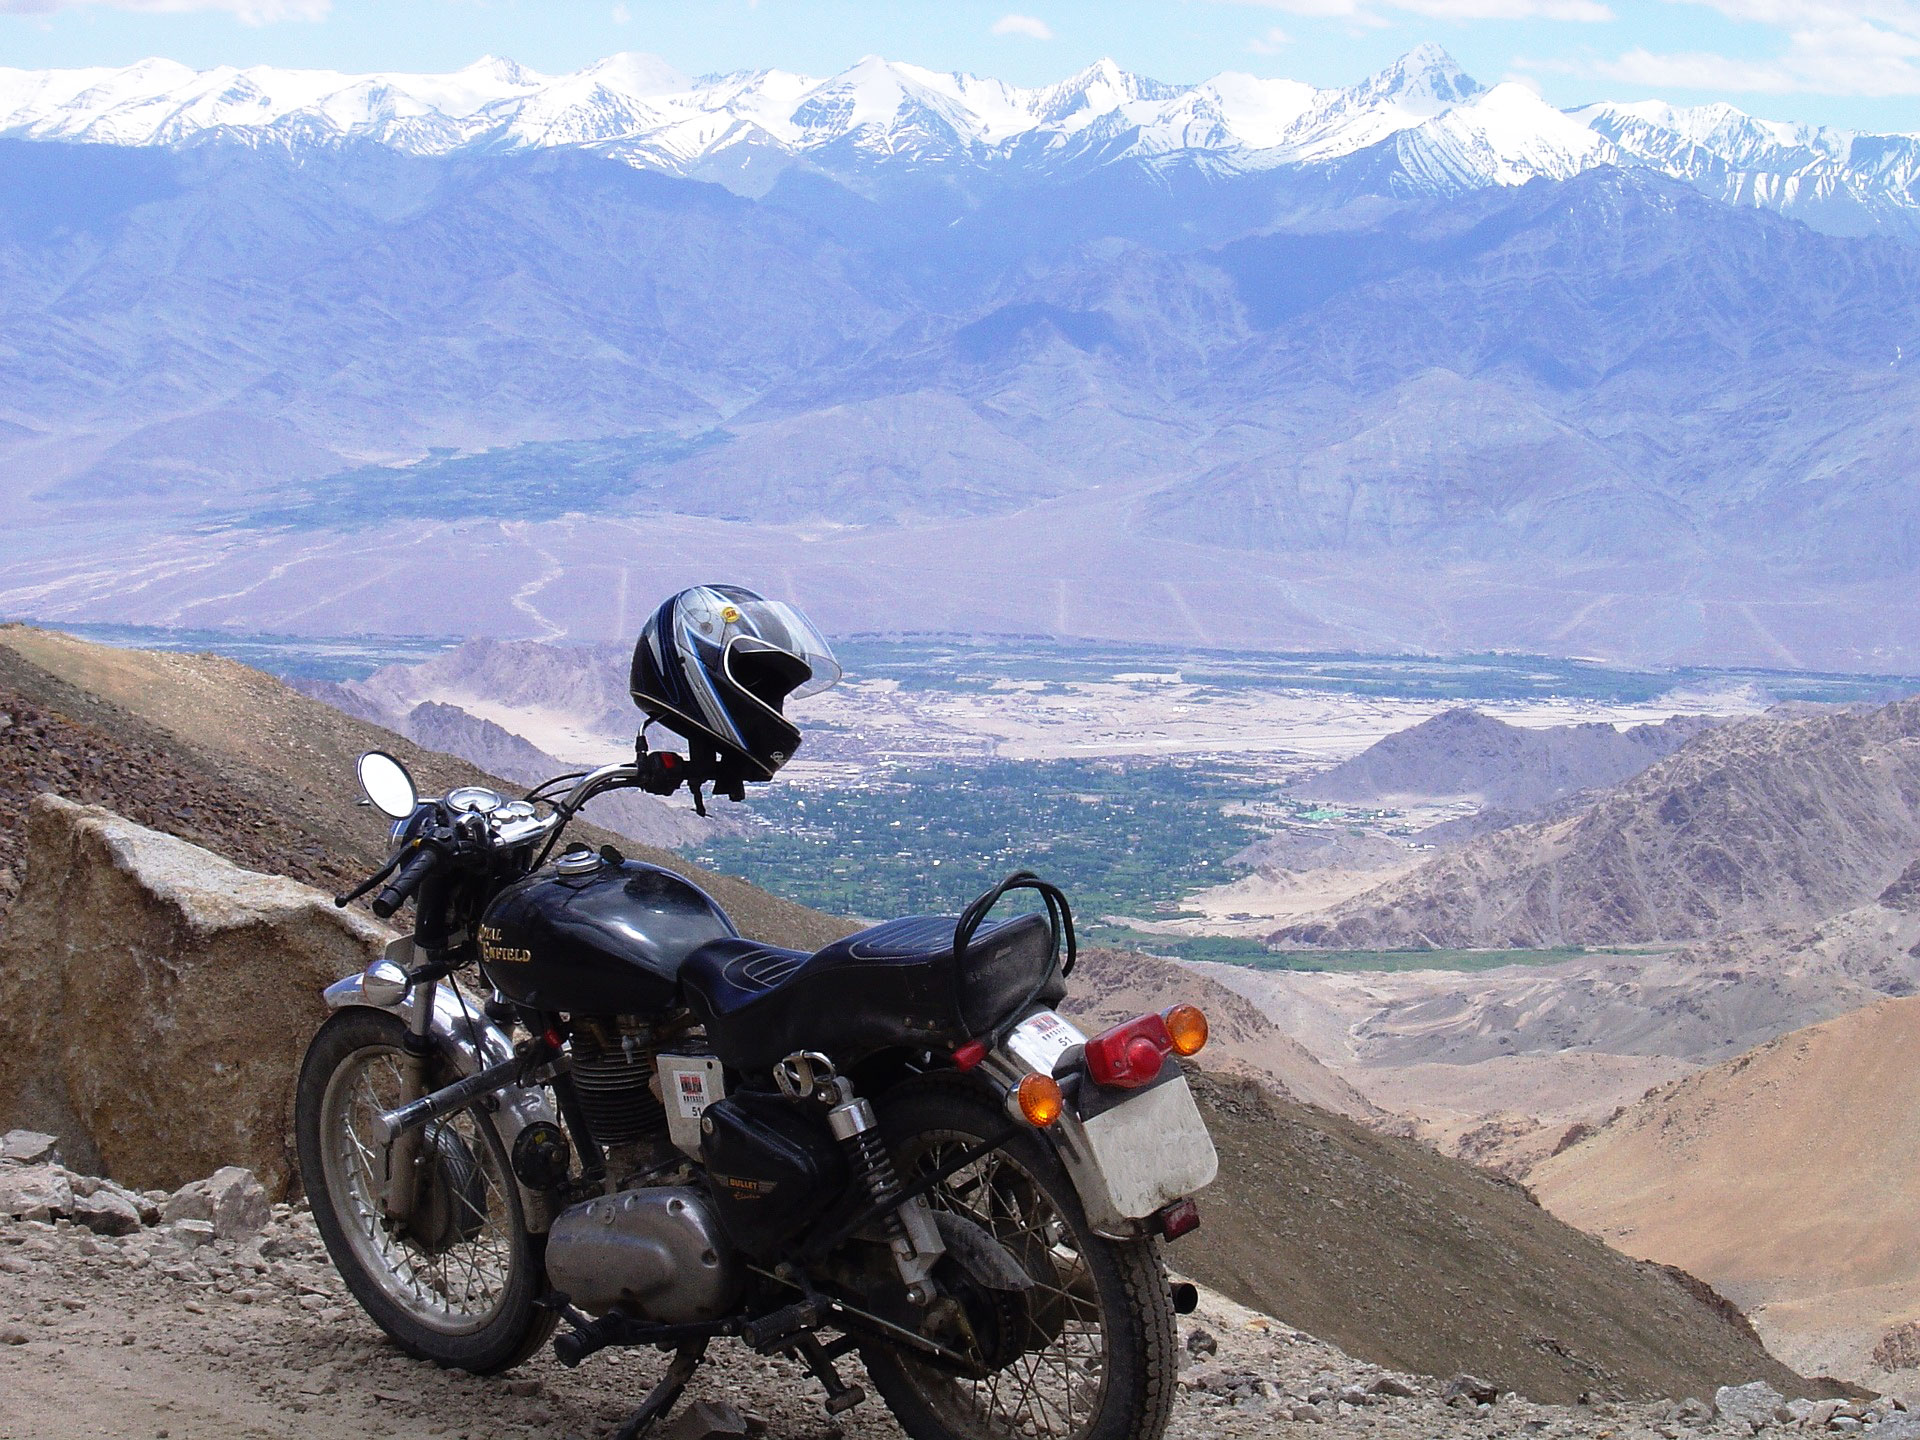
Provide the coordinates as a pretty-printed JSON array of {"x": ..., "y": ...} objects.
[{"x": 405, "y": 883}]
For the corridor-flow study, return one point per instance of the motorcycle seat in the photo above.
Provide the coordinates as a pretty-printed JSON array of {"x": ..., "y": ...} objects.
[{"x": 893, "y": 985}]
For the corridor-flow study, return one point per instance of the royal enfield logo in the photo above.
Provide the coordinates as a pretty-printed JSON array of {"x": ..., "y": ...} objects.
[{"x": 494, "y": 953}]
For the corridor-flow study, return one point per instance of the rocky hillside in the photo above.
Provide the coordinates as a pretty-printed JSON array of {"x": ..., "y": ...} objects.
[
  {"x": 229, "y": 757},
  {"x": 1788, "y": 1177},
  {"x": 1764, "y": 821},
  {"x": 1513, "y": 768}
]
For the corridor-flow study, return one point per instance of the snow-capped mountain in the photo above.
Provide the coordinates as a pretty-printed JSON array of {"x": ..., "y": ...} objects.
[{"x": 1437, "y": 128}]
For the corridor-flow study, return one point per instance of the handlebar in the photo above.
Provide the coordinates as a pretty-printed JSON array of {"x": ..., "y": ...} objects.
[{"x": 402, "y": 886}]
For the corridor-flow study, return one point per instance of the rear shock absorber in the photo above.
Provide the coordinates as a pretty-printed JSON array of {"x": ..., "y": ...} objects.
[{"x": 910, "y": 1230}]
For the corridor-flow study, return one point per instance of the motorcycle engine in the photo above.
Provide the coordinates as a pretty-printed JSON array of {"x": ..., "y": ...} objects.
[{"x": 659, "y": 1251}]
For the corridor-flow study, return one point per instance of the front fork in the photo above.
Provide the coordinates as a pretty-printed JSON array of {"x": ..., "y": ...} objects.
[{"x": 403, "y": 1151}]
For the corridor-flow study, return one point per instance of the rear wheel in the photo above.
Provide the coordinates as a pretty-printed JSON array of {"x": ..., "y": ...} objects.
[
  {"x": 456, "y": 1283},
  {"x": 1087, "y": 1353}
]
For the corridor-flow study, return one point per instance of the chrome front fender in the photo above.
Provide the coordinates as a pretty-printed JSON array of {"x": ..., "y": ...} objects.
[{"x": 470, "y": 1042}]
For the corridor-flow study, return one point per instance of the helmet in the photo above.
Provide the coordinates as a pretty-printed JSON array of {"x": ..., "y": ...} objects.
[{"x": 717, "y": 662}]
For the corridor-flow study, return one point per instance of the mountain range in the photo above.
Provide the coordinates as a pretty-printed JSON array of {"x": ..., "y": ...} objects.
[
  {"x": 1413, "y": 364},
  {"x": 1445, "y": 132}
]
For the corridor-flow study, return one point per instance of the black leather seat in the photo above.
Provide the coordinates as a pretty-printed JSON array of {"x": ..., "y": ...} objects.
[{"x": 892, "y": 986}]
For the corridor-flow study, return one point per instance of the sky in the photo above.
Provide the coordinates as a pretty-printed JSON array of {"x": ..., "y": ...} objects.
[{"x": 1854, "y": 63}]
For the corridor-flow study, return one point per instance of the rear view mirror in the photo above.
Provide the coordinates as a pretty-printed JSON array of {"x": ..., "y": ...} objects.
[{"x": 387, "y": 784}]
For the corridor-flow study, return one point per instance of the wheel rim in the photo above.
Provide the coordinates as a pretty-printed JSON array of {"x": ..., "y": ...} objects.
[
  {"x": 459, "y": 1283},
  {"x": 1055, "y": 1387}
]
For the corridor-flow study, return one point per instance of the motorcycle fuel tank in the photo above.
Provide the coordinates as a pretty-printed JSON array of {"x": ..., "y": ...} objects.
[{"x": 595, "y": 937}]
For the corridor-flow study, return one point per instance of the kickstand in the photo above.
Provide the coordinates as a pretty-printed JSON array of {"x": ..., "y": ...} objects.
[
  {"x": 660, "y": 1399},
  {"x": 841, "y": 1397}
]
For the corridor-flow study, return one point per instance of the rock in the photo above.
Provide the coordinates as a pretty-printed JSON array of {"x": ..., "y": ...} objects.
[
  {"x": 108, "y": 1211},
  {"x": 28, "y": 1147},
  {"x": 155, "y": 999},
  {"x": 35, "y": 1192},
  {"x": 191, "y": 1234},
  {"x": 231, "y": 1198},
  {"x": 1201, "y": 1342},
  {"x": 1845, "y": 1424},
  {"x": 1393, "y": 1385},
  {"x": 13, "y": 1335},
  {"x": 1897, "y": 1427},
  {"x": 1472, "y": 1389},
  {"x": 1693, "y": 1411},
  {"x": 1751, "y": 1404},
  {"x": 706, "y": 1420}
]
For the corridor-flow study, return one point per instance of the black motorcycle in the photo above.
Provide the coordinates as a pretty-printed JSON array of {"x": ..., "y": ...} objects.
[{"x": 644, "y": 1128}]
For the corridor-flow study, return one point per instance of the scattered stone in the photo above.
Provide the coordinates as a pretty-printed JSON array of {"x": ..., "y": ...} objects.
[
  {"x": 706, "y": 1420},
  {"x": 231, "y": 1198},
  {"x": 1897, "y": 1427},
  {"x": 1202, "y": 1342},
  {"x": 1751, "y": 1404},
  {"x": 109, "y": 1210},
  {"x": 35, "y": 1192},
  {"x": 523, "y": 1387},
  {"x": 13, "y": 1335},
  {"x": 1693, "y": 1411},
  {"x": 28, "y": 1147},
  {"x": 1472, "y": 1389},
  {"x": 1393, "y": 1385},
  {"x": 191, "y": 1234}
]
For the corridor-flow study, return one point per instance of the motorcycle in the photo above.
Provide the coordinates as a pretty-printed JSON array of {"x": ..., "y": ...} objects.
[{"x": 639, "y": 1128}]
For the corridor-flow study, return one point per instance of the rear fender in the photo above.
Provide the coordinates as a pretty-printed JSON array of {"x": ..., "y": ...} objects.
[{"x": 470, "y": 1042}]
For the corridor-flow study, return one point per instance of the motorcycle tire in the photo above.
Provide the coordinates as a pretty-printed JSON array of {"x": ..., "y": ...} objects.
[
  {"x": 461, "y": 1291},
  {"x": 1093, "y": 1349}
]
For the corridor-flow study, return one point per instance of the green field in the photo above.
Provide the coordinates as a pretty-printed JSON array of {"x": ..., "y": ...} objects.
[{"x": 1230, "y": 950}]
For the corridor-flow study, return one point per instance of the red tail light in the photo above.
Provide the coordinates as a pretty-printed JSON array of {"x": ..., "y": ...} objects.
[{"x": 1130, "y": 1055}]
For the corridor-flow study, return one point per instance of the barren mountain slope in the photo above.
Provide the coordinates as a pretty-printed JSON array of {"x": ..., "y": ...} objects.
[
  {"x": 280, "y": 764},
  {"x": 1763, "y": 821},
  {"x": 1397, "y": 1253},
  {"x": 1788, "y": 1178},
  {"x": 1511, "y": 767}
]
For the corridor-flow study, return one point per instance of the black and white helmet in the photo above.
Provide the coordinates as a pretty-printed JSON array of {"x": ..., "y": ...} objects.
[{"x": 717, "y": 663}]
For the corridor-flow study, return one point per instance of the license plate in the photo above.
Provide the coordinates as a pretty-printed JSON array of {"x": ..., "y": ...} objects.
[
  {"x": 1152, "y": 1149},
  {"x": 1040, "y": 1040}
]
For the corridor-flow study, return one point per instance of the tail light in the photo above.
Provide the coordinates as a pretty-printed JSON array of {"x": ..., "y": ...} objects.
[{"x": 1130, "y": 1055}]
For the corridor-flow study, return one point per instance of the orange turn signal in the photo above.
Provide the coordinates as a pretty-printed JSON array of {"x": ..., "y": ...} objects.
[
  {"x": 1040, "y": 1100},
  {"x": 1187, "y": 1029}
]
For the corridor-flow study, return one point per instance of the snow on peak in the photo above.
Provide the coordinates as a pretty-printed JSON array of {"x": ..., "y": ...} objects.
[{"x": 1446, "y": 130}]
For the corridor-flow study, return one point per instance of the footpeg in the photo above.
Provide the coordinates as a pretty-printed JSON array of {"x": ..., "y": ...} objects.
[{"x": 772, "y": 1332}]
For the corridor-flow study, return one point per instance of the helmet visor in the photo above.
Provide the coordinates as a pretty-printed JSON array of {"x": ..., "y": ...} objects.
[{"x": 723, "y": 613}]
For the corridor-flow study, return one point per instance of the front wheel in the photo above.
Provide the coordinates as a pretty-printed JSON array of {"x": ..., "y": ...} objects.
[
  {"x": 1088, "y": 1353},
  {"x": 456, "y": 1283}
]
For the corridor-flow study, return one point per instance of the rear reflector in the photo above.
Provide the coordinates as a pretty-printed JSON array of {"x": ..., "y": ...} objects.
[
  {"x": 1130, "y": 1055},
  {"x": 1178, "y": 1219},
  {"x": 970, "y": 1055}
]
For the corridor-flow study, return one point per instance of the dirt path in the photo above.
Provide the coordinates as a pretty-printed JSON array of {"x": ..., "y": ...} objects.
[{"x": 142, "y": 1337}]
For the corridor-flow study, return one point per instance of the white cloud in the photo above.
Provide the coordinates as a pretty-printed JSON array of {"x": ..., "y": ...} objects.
[
  {"x": 1030, "y": 26},
  {"x": 247, "y": 12},
  {"x": 1271, "y": 43},
  {"x": 621, "y": 15},
  {"x": 1830, "y": 47}
]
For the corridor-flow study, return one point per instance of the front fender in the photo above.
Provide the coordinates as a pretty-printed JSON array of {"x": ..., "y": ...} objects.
[{"x": 470, "y": 1042}]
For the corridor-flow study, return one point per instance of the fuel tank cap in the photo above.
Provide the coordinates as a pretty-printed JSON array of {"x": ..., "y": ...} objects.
[{"x": 577, "y": 862}]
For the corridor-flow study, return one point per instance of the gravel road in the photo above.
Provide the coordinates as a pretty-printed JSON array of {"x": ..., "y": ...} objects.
[{"x": 152, "y": 1335}]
